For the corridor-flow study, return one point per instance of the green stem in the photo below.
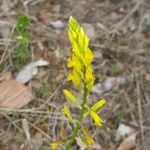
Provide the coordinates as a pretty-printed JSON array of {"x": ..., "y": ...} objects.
[{"x": 76, "y": 129}]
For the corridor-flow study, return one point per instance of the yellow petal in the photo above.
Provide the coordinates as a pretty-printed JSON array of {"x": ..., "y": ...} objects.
[
  {"x": 70, "y": 96},
  {"x": 87, "y": 137},
  {"x": 67, "y": 112},
  {"x": 74, "y": 77},
  {"x": 98, "y": 121},
  {"x": 54, "y": 145},
  {"x": 98, "y": 105}
]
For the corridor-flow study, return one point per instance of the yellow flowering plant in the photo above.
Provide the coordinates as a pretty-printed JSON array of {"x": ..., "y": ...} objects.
[{"x": 81, "y": 75}]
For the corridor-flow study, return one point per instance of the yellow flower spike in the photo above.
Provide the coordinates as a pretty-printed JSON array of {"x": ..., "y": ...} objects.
[
  {"x": 74, "y": 77},
  {"x": 88, "y": 74},
  {"x": 89, "y": 78},
  {"x": 98, "y": 121},
  {"x": 73, "y": 62},
  {"x": 87, "y": 57},
  {"x": 70, "y": 96},
  {"x": 81, "y": 74},
  {"x": 67, "y": 112}
]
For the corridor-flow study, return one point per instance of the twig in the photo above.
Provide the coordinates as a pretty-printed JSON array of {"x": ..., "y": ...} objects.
[
  {"x": 35, "y": 110},
  {"x": 41, "y": 131},
  {"x": 140, "y": 111},
  {"x": 26, "y": 130},
  {"x": 9, "y": 119}
]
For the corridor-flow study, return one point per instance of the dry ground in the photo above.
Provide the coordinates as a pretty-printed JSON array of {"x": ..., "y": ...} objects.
[{"x": 120, "y": 39}]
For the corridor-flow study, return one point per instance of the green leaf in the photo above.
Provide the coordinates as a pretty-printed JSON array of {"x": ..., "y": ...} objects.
[
  {"x": 98, "y": 105},
  {"x": 70, "y": 96},
  {"x": 23, "y": 21}
]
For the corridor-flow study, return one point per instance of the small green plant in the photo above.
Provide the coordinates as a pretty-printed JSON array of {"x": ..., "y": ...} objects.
[
  {"x": 44, "y": 90},
  {"x": 117, "y": 68},
  {"x": 81, "y": 75},
  {"x": 120, "y": 115},
  {"x": 147, "y": 24},
  {"x": 22, "y": 36}
]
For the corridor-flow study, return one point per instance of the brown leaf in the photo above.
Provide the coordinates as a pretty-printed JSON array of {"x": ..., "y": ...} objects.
[
  {"x": 14, "y": 94},
  {"x": 108, "y": 84},
  {"x": 128, "y": 143}
]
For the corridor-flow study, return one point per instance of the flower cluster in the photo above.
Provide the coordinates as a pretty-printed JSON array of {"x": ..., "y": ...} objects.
[
  {"x": 81, "y": 58},
  {"x": 81, "y": 74}
]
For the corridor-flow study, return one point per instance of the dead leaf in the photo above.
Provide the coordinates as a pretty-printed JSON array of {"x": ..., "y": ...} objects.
[
  {"x": 128, "y": 143},
  {"x": 108, "y": 84},
  {"x": 14, "y": 94},
  {"x": 128, "y": 134},
  {"x": 57, "y": 24},
  {"x": 123, "y": 130},
  {"x": 30, "y": 70}
]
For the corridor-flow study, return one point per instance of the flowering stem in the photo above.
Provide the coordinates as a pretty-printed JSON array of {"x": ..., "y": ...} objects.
[{"x": 76, "y": 129}]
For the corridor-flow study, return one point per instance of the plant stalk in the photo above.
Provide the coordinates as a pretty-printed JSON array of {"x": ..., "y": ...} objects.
[{"x": 76, "y": 129}]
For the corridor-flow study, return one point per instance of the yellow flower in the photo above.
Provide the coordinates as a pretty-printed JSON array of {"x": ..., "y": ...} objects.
[
  {"x": 98, "y": 105},
  {"x": 74, "y": 63},
  {"x": 67, "y": 112},
  {"x": 54, "y": 145},
  {"x": 71, "y": 97},
  {"x": 74, "y": 77},
  {"x": 97, "y": 119}
]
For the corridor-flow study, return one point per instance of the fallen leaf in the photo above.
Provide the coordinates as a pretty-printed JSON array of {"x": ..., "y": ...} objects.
[
  {"x": 30, "y": 70},
  {"x": 14, "y": 94},
  {"x": 123, "y": 130},
  {"x": 57, "y": 24},
  {"x": 128, "y": 143},
  {"x": 128, "y": 134},
  {"x": 108, "y": 84}
]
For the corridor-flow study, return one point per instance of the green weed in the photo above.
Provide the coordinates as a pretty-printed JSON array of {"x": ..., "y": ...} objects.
[
  {"x": 117, "y": 68},
  {"x": 147, "y": 24},
  {"x": 120, "y": 115},
  {"x": 21, "y": 33},
  {"x": 44, "y": 91}
]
